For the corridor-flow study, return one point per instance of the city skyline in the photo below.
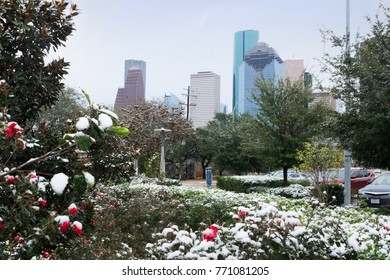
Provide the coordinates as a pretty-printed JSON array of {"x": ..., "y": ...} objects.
[{"x": 177, "y": 39}]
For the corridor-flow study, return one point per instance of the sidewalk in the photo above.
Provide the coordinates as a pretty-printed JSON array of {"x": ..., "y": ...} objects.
[{"x": 199, "y": 183}]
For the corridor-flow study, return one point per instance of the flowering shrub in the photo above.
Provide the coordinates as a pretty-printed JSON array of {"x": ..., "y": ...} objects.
[{"x": 40, "y": 217}]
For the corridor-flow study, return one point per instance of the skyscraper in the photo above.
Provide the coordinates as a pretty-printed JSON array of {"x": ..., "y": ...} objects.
[
  {"x": 133, "y": 90},
  {"x": 243, "y": 42},
  {"x": 295, "y": 70},
  {"x": 262, "y": 61},
  {"x": 131, "y": 63},
  {"x": 205, "y": 86}
]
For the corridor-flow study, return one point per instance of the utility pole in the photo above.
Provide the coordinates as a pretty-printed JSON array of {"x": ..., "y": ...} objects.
[
  {"x": 347, "y": 154},
  {"x": 188, "y": 104}
]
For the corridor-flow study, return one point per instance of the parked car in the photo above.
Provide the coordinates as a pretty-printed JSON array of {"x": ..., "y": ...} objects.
[
  {"x": 359, "y": 178},
  {"x": 377, "y": 194},
  {"x": 291, "y": 175}
]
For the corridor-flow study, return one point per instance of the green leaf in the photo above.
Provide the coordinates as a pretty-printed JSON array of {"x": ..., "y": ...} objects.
[
  {"x": 87, "y": 97},
  {"x": 119, "y": 130},
  {"x": 84, "y": 142},
  {"x": 80, "y": 185}
]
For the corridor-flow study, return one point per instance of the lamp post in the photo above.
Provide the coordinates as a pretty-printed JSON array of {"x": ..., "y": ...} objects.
[{"x": 162, "y": 131}]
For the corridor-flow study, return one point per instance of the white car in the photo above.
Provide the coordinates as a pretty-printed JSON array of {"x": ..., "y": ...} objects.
[{"x": 291, "y": 175}]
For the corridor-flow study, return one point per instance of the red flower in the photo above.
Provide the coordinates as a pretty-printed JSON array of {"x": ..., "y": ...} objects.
[
  {"x": 77, "y": 228},
  {"x": 46, "y": 254},
  {"x": 209, "y": 234},
  {"x": 13, "y": 129},
  {"x": 242, "y": 214},
  {"x": 42, "y": 202},
  {"x": 11, "y": 179},
  {"x": 1, "y": 223},
  {"x": 214, "y": 228},
  {"x": 64, "y": 226},
  {"x": 72, "y": 209},
  {"x": 17, "y": 238}
]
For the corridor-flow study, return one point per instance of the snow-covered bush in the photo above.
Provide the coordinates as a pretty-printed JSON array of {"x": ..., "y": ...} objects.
[
  {"x": 279, "y": 229},
  {"x": 292, "y": 191}
]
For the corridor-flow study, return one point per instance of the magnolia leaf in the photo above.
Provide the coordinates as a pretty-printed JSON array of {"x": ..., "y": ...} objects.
[
  {"x": 119, "y": 130},
  {"x": 80, "y": 185},
  {"x": 87, "y": 97},
  {"x": 84, "y": 142}
]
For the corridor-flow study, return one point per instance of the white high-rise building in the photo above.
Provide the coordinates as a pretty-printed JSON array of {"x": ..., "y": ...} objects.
[{"x": 205, "y": 93}]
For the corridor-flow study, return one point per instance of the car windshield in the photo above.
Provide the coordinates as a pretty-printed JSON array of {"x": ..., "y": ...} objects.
[{"x": 382, "y": 180}]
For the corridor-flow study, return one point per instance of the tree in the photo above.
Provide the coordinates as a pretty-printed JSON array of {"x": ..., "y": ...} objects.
[
  {"x": 284, "y": 121},
  {"x": 69, "y": 104},
  {"x": 143, "y": 118},
  {"x": 320, "y": 158},
  {"x": 221, "y": 141},
  {"x": 29, "y": 30},
  {"x": 360, "y": 79}
]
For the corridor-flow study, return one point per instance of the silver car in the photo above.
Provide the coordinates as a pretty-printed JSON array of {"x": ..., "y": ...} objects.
[{"x": 377, "y": 194}]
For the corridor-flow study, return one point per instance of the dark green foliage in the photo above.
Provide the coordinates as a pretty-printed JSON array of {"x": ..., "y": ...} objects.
[
  {"x": 361, "y": 80},
  {"x": 330, "y": 193},
  {"x": 220, "y": 142},
  {"x": 28, "y": 31},
  {"x": 236, "y": 185}
]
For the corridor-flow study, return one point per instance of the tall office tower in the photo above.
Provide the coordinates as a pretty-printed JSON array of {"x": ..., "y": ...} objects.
[
  {"x": 243, "y": 42},
  {"x": 133, "y": 91},
  {"x": 260, "y": 62},
  {"x": 295, "y": 70},
  {"x": 205, "y": 86},
  {"x": 131, "y": 63}
]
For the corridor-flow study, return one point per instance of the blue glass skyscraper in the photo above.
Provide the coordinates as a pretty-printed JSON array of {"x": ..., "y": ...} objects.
[
  {"x": 243, "y": 42},
  {"x": 260, "y": 62}
]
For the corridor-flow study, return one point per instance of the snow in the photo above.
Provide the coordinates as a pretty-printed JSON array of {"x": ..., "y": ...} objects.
[
  {"x": 61, "y": 219},
  {"x": 298, "y": 231},
  {"x": 89, "y": 178},
  {"x": 105, "y": 121},
  {"x": 59, "y": 183},
  {"x": 352, "y": 242},
  {"x": 110, "y": 113},
  {"x": 82, "y": 123}
]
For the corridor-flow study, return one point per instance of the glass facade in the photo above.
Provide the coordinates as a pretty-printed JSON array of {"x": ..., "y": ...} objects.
[
  {"x": 260, "y": 61},
  {"x": 243, "y": 42}
]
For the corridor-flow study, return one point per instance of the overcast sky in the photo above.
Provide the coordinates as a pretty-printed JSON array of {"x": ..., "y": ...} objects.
[{"x": 178, "y": 38}]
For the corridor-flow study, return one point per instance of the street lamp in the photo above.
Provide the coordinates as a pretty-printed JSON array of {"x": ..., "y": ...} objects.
[{"x": 162, "y": 156}]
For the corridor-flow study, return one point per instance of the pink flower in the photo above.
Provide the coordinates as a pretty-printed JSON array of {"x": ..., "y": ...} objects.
[
  {"x": 72, "y": 209},
  {"x": 387, "y": 228},
  {"x": 11, "y": 179},
  {"x": 33, "y": 178},
  {"x": 209, "y": 234},
  {"x": 13, "y": 129},
  {"x": 42, "y": 202},
  {"x": 77, "y": 227},
  {"x": 242, "y": 213},
  {"x": 64, "y": 226}
]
